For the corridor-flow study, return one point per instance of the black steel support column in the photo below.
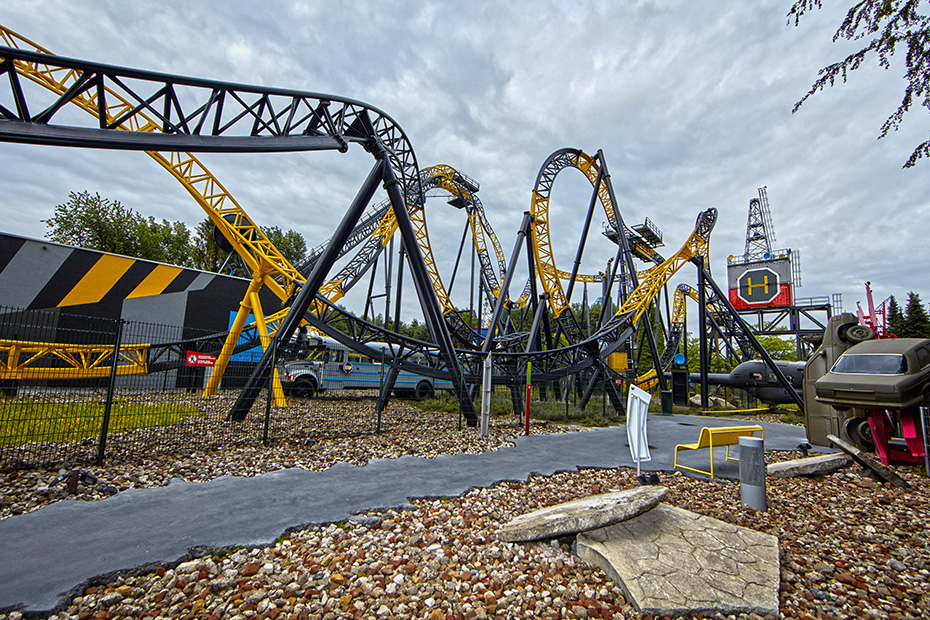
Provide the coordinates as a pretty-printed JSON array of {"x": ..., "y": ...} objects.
[
  {"x": 702, "y": 331},
  {"x": 579, "y": 251},
  {"x": 628, "y": 263},
  {"x": 505, "y": 285},
  {"x": 307, "y": 293},
  {"x": 428, "y": 301}
]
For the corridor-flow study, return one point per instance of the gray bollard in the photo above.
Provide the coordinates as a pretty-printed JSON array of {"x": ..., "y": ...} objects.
[
  {"x": 486, "y": 389},
  {"x": 752, "y": 473}
]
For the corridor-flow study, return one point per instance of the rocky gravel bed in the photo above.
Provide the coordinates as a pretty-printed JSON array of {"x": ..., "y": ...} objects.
[
  {"x": 311, "y": 435},
  {"x": 850, "y": 546}
]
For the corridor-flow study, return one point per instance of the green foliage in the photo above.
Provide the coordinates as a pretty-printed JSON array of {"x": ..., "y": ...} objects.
[
  {"x": 887, "y": 25},
  {"x": 791, "y": 416},
  {"x": 291, "y": 244},
  {"x": 96, "y": 223},
  {"x": 895, "y": 318},
  {"x": 916, "y": 322},
  {"x": 778, "y": 347},
  {"x": 550, "y": 410},
  {"x": 207, "y": 255}
]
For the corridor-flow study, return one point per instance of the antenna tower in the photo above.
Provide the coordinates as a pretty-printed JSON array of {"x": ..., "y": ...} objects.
[{"x": 760, "y": 233}]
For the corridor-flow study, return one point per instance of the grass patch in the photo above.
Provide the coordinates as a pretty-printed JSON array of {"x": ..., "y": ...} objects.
[
  {"x": 501, "y": 405},
  {"x": 791, "y": 416},
  {"x": 25, "y": 422}
]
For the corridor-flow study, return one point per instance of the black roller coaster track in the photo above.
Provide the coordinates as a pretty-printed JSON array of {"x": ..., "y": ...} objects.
[{"x": 198, "y": 115}]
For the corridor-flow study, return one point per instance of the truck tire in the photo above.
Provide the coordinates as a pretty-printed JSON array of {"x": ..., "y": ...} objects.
[
  {"x": 854, "y": 334},
  {"x": 305, "y": 387},
  {"x": 860, "y": 433},
  {"x": 423, "y": 391}
]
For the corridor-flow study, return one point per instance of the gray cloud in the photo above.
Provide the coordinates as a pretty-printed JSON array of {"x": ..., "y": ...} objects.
[{"x": 690, "y": 101}]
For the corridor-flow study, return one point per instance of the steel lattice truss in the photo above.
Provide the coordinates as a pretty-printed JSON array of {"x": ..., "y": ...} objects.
[
  {"x": 139, "y": 110},
  {"x": 190, "y": 114}
]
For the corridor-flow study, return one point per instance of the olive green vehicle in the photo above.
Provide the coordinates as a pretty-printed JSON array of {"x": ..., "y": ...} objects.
[
  {"x": 892, "y": 373},
  {"x": 821, "y": 419},
  {"x": 851, "y": 373}
]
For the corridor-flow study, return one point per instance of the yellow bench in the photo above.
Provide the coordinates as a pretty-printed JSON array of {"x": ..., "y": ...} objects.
[{"x": 715, "y": 437}]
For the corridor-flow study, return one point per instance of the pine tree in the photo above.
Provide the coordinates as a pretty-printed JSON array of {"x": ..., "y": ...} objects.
[
  {"x": 916, "y": 321},
  {"x": 894, "y": 319}
]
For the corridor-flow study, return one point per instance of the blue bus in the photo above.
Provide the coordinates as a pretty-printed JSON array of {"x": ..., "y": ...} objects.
[{"x": 326, "y": 364}]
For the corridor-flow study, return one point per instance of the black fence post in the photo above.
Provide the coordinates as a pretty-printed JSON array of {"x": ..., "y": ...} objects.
[{"x": 105, "y": 426}]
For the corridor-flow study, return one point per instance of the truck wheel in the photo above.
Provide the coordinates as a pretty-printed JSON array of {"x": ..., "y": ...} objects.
[
  {"x": 860, "y": 433},
  {"x": 423, "y": 391},
  {"x": 854, "y": 334},
  {"x": 304, "y": 388}
]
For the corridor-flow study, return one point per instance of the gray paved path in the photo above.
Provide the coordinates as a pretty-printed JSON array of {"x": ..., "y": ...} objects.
[{"x": 47, "y": 554}]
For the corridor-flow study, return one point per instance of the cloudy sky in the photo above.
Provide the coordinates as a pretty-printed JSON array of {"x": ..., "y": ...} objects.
[{"x": 690, "y": 100}]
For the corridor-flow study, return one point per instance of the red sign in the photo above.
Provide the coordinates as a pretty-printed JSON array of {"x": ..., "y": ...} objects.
[
  {"x": 618, "y": 381},
  {"x": 347, "y": 367},
  {"x": 193, "y": 358}
]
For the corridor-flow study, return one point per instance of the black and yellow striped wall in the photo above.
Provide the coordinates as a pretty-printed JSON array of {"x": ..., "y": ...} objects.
[{"x": 40, "y": 275}]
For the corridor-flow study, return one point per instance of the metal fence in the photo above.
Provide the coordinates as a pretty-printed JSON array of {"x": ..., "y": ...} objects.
[{"x": 77, "y": 389}]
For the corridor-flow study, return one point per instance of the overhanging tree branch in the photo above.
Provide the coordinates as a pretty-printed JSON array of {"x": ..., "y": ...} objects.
[{"x": 898, "y": 24}]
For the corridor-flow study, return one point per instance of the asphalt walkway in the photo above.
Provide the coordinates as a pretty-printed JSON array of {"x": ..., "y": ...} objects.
[{"x": 46, "y": 556}]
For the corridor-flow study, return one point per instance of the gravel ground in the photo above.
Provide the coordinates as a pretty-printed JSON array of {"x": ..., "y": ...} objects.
[{"x": 850, "y": 547}]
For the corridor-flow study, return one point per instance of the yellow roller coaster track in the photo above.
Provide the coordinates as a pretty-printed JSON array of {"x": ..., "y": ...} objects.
[
  {"x": 550, "y": 275},
  {"x": 698, "y": 244},
  {"x": 261, "y": 257},
  {"x": 74, "y": 362}
]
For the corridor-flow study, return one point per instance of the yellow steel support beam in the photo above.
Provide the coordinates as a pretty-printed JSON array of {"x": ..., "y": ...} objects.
[{"x": 27, "y": 360}]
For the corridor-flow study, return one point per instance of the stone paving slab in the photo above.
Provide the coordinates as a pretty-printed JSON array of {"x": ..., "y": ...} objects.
[
  {"x": 810, "y": 466},
  {"x": 670, "y": 561},
  {"x": 581, "y": 515},
  {"x": 49, "y": 553}
]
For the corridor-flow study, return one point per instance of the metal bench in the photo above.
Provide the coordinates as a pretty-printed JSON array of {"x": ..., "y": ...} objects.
[{"x": 715, "y": 437}]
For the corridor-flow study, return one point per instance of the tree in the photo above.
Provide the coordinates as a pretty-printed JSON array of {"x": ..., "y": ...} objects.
[
  {"x": 291, "y": 244},
  {"x": 207, "y": 255},
  {"x": 893, "y": 25},
  {"x": 895, "y": 318},
  {"x": 96, "y": 223},
  {"x": 916, "y": 321}
]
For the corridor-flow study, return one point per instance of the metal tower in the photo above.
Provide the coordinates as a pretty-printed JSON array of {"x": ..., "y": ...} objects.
[{"x": 759, "y": 230}]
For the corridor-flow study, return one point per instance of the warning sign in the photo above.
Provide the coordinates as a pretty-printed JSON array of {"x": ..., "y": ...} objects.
[{"x": 195, "y": 358}]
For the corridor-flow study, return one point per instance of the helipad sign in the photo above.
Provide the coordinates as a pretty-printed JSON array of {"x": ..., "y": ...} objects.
[{"x": 758, "y": 286}]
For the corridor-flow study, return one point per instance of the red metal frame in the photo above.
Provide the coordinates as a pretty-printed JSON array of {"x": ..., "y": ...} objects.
[{"x": 882, "y": 432}]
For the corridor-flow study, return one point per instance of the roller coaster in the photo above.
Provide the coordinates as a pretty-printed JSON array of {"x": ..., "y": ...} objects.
[{"x": 170, "y": 117}]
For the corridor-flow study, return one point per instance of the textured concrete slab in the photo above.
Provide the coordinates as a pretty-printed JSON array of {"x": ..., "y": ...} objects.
[
  {"x": 810, "y": 466},
  {"x": 49, "y": 553},
  {"x": 671, "y": 562},
  {"x": 583, "y": 514}
]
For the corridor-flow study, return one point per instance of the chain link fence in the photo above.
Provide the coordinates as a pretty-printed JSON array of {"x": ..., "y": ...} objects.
[
  {"x": 82, "y": 389},
  {"x": 78, "y": 389}
]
